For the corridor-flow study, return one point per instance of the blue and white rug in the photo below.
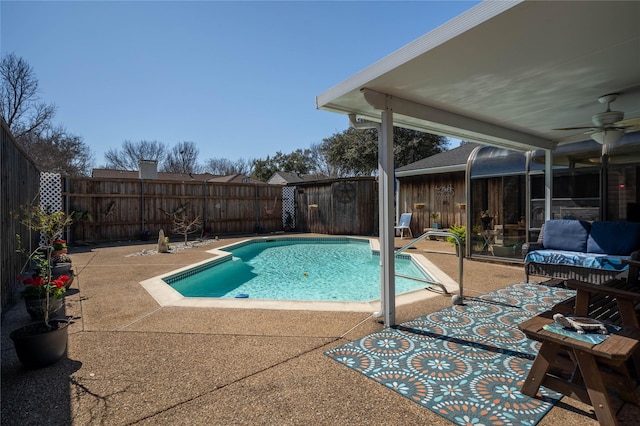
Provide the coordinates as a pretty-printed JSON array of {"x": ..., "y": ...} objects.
[{"x": 465, "y": 363}]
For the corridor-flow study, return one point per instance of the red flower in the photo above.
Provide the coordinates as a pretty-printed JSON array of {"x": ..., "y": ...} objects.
[
  {"x": 39, "y": 281},
  {"x": 59, "y": 244},
  {"x": 33, "y": 281}
]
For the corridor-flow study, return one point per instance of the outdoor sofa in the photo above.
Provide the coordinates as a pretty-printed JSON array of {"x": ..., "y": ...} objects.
[{"x": 579, "y": 250}]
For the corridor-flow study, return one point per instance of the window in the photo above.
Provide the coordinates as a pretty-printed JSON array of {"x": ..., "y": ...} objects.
[
  {"x": 498, "y": 216},
  {"x": 576, "y": 195},
  {"x": 623, "y": 198}
]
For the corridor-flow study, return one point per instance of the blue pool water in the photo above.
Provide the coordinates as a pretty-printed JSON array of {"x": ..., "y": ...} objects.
[{"x": 329, "y": 269}]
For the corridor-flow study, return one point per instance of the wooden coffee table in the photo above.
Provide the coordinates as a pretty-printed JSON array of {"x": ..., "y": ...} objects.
[{"x": 582, "y": 370}]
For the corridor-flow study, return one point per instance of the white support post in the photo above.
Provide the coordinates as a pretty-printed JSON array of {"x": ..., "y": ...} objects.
[
  {"x": 548, "y": 183},
  {"x": 386, "y": 208}
]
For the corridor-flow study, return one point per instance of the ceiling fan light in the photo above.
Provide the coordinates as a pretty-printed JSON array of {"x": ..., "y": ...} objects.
[{"x": 607, "y": 136}]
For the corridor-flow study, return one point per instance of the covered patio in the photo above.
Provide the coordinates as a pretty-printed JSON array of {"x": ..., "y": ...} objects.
[{"x": 515, "y": 75}]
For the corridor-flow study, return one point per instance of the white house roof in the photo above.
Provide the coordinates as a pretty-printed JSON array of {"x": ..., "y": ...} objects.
[{"x": 506, "y": 73}]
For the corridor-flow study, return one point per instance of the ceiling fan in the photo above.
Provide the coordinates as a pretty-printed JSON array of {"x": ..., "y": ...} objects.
[{"x": 608, "y": 126}]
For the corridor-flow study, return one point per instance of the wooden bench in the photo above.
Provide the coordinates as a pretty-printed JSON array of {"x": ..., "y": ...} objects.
[
  {"x": 616, "y": 301},
  {"x": 581, "y": 370}
]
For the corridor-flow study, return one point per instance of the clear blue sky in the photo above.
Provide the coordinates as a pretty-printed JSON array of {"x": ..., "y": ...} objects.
[{"x": 238, "y": 79}]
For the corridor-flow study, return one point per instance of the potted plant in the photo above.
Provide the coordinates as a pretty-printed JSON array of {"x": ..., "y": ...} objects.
[
  {"x": 60, "y": 259},
  {"x": 59, "y": 246},
  {"x": 435, "y": 217},
  {"x": 44, "y": 342},
  {"x": 486, "y": 219},
  {"x": 288, "y": 222},
  {"x": 459, "y": 231},
  {"x": 35, "y": 295},
  {"x": 61, "y": 265}
]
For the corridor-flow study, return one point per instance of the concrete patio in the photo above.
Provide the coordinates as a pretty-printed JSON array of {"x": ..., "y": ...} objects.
[{"x": 131, "y": 361}]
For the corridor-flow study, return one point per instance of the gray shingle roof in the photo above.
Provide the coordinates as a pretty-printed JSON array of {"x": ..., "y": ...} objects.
[
  {"x": 290, "y": 177},
  {"x": 129, "y": 174},
  {"x": 236, "y": 178},
  {"x": 454, "y": 157}
]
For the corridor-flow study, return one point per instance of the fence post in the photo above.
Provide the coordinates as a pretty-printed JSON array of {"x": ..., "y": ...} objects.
[
  {"x": 142, "y": 204},
  {"x": 257, "y": 210},
  {"x": 205, "y": 209}
]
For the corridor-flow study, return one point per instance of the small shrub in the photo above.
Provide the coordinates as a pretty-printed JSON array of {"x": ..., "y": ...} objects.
[{"x": 459, "y": 231}]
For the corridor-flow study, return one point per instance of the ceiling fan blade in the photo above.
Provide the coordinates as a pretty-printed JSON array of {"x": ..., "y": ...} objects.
[
  {"x": 630, "y": 123},
  {"x": 576, "y": 128}
]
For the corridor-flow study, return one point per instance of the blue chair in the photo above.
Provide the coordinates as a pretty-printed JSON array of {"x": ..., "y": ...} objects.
[{"x": 403, "y": 223}]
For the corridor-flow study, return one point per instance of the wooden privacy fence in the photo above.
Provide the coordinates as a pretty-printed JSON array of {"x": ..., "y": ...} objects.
[
  {"x": 122, "y": 209},
  {"x": 20, "y": 183},
  {"x": 338, "y": 207}
]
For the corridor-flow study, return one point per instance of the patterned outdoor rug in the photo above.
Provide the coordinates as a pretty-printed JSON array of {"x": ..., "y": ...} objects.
[{"x": 465, "y": 363}]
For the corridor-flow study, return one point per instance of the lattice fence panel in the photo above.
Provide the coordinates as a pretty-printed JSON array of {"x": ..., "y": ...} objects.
[
  {"x": 289, "y": 203},
  {"x": 50, "y": 194}
]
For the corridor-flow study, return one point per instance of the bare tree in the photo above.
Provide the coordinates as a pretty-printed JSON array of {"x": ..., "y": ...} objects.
[
  {"x": 183, "y": 158},
  {"x": 129, "y": 156},
  {"x": 20, "y": 104},
  {"x": 52, "y": 148},
  {"x": 184, "y": 226},
  {"x": 224, "y": 167},
  {"x": 56, "y": 150}
]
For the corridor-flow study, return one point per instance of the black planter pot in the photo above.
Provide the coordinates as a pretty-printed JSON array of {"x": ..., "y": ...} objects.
[
  {"x": 61, "y": 269},
  {"x": 71, "y": 276},
  {"x": 37, "y": 306},
  {"x": 37, "y": 346}
]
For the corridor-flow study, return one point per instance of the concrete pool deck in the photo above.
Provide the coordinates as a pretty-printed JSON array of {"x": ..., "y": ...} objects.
[{"x": 132, "y": 361}]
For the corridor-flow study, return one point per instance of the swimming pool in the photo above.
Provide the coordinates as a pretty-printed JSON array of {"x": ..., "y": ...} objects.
[
  {"x": 330, "y": 269},
  {"x": 166, "y": 295}
]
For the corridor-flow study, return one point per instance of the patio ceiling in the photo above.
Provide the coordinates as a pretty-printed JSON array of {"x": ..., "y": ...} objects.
[{"x": 506, "y": 73}]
